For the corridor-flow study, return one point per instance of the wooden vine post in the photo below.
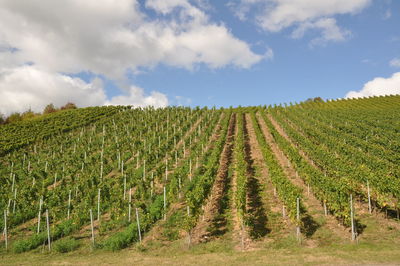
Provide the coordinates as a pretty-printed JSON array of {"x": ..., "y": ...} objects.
[
  {"x": 166, "y": 169},
  {"x": 298, "y": 220},
  {"x": 124, "y": 187},
  {"x": 353, "y": 231},
  {"x": 98, "y": 206},
  {"x": 48, "y": 230},
  {"x": 91, "y": 225},
  {"x": 130, "y": 206},
  {"x": 5, "y": 229},
  {"x": 101, "y": 161},
  {"x": 138, "y": 225},
  {"x": 15, "y": 199},
  {"x": 152, "y": 184},
  {"x": 189, "y": 237},
  {"x": 369, "y": 198},
  {"x": 39, "y": 214},
  {"x": 69, "y": 204},
  {"x": 165, "y": 204}
]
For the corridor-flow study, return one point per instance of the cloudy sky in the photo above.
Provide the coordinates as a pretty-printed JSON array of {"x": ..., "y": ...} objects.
[{"x": 195, "y": 52}]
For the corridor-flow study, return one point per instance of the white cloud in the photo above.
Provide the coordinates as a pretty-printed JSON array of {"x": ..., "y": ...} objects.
[
  {"x": 395, "y": 62},
  {"x": 137, "y": 97},
  {"x": 280, "y": 14},
  {"x": 329, "y": 31},
  {"x": 388, "y": 14},
  {"x": 29, "y": 86},
  {"x": 108, "y": 37},
  {"x": 269, "y": 54},
  {"x": 303, "y": 15},
  {"x": 111, "y": 38},
  {"x": 378, "y": 86}
]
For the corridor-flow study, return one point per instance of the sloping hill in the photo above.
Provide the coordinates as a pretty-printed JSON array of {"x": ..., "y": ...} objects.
[
  {"x": 19, "y": 134},
  {"x": 309, "y": 175}
]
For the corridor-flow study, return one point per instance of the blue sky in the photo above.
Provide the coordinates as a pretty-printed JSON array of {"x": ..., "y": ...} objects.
[
  {"x": 196, "y": 52},
  {"x": 297, "y": 71}
]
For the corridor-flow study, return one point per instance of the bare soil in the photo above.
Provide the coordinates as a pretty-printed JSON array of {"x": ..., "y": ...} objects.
[
  {"x": 360, "y": 206},
  {"x": 212, "y": 223},
  {"x": 271, "y": 204},
  {"x": 313, "y": 206},
  {"x": 155, "y": 232},
  {"x": 240, "y": 232},
  {"x": 255, "y": 205}
]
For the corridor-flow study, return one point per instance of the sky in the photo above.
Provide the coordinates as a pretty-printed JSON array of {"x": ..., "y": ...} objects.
[{"x": 195, "y": 52}]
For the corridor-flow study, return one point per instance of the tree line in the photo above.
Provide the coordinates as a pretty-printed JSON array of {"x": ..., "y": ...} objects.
[{"x": 50, "y": 108}]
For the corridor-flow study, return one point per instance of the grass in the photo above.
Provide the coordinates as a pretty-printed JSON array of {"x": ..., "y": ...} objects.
[
  {"x": 66, "y": 245},
  {"x": 377, "y": 245},
  {"x": 284, "y": 251}
]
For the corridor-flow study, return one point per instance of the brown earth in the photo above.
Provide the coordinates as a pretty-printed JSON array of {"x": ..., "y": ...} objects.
[
  {"x": 311, "y": 203},
  {"x": 212, "y": 223},
  {"x": 360, "y": 206}
]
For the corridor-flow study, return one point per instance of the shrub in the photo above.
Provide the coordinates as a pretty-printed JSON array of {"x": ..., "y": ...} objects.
[
  {"x": 121, "y": 239},
  {"x": 32, "y": 242},
  {"x": 14, "y": 117},
  {"x": 66, "y": 245},
  {"x": 49, "y": 109},
  {"x": 68, "y": 106},
  {"x": 28, "y": 115}
]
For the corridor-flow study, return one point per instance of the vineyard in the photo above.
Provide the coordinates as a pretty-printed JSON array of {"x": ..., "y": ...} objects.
[{"x": 308, "y": 175}]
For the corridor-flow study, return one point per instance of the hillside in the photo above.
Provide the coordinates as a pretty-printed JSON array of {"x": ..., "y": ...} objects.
[{"x": 317, "y": 179}]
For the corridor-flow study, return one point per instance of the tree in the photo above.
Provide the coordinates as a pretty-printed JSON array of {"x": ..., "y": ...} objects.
[
  {"x": 14, "y": 117},
  {"x": 49, "y": 109},
  {"x": 28, "y": 115},
  {"x": 69, "y": 106},
  {"x": 316, "y": 100},
  {"x": 2, "y": 119}
]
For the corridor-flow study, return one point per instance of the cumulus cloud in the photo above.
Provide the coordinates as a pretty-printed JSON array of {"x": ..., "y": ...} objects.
[
  {"x": 31, "y": 87},
  {"x": 137, "y": 97},
  {"x": 395, "y": 62},
  {"x": 378, "y": 87},
  {"x": 302, "y": 15},
  {"x": 329, "y": 31},
  {"x": 110, "y": 39}
]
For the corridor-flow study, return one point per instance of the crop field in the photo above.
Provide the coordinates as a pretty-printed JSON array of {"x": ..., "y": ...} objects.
[{"x": 308, "y": 183}]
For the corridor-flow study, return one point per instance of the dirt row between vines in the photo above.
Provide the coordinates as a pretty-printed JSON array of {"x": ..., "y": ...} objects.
[
  {"x": 277, "y": 224},
  {"x": 360, "y": 206},
  {"x": 155, "y": 233},
  {"x": 187, "y": 150},
  {"x": 85, "y": 232},
  {"x": 213, "y": 223},
  {"x": 240, "y": 235},
  {"x": 115, "y": 172},
  {"x": 315, "y": 216},
  {"x": 158, "y": 184},
  {"x": 265, "y": 206},
  {"x": 256, "y": 215}
]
